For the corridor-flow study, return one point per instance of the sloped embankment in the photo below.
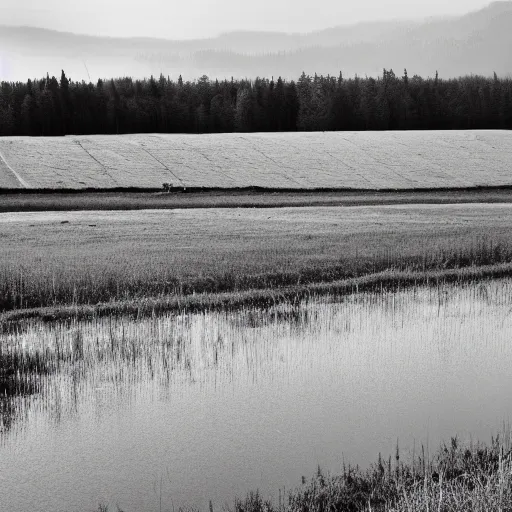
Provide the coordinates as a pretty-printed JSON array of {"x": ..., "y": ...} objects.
[{"x": 360, "y": 160}]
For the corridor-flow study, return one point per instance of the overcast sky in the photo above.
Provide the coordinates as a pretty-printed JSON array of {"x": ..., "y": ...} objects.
[{"x": 203, "y": 18}]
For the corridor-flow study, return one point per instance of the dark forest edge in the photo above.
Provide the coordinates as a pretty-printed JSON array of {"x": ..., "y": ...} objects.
[
  {"x": 32, "y": 200},
  {"x": 459, "y": 477},
  {"x": 52, "y": 107}
]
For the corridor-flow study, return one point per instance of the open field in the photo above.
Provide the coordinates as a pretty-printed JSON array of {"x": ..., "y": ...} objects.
[
  {"x": 62, "y": 258},
  {"x": 360, "y": 160},
  {"x": 121, "y": 200}
]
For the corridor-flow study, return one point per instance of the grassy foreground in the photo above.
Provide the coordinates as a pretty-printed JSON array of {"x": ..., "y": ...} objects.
[
  {"x": 153, "y": 260},
  {"x": 459, "y": 478}
]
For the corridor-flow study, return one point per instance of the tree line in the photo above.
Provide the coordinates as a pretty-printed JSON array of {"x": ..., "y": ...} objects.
[{"x": 312, "y": 103}]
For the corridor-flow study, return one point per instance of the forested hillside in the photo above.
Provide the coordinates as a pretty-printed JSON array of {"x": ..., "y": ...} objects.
[{"x": 312, "y": 103}]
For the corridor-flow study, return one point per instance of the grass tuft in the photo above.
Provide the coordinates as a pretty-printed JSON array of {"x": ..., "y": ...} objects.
[{"x": 459, "y": 478}]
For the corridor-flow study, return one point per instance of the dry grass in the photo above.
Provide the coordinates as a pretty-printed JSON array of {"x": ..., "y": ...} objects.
[
  {"x": 362, "y": 160},
  {"x": 118, "y": 256}
]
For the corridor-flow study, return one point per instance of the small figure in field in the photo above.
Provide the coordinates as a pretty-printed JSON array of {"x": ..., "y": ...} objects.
[{"x": 169, "y": 187}]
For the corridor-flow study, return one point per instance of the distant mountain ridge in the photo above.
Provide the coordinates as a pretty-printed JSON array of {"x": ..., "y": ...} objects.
[{"x": 476, "y": 43}]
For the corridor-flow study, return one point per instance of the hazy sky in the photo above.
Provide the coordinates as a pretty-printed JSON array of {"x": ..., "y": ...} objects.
[{"x": 181, "y": 19}]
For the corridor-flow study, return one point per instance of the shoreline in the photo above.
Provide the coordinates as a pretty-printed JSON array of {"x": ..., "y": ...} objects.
[
  {"x": 259, "y": 298},
  {"x": 460, "y": 476}
]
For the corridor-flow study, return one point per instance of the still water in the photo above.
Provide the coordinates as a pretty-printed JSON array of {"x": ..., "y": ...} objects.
[{"x": 178, "y": 410}]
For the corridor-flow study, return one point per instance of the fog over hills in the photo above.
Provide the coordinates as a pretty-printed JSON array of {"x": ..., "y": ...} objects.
[{"x": 476, "y": 43}]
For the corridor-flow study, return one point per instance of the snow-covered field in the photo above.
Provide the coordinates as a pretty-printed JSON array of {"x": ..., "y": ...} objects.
[{"x": 365, "y": 160}]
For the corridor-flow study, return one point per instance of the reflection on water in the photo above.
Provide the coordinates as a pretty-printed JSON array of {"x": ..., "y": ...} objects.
[{"x": 201, "y": 407}]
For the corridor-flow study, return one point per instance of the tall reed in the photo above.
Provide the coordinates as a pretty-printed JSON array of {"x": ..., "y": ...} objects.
[{"x": 89, "y": 282}]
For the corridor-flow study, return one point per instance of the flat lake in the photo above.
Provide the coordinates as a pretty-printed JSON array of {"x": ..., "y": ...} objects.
[{"x": 179, "y": 410}]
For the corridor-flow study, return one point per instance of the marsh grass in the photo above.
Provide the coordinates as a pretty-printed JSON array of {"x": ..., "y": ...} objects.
[
  {"x": 131, "y": 342},
  {"x": 83, "y": 291},
  {"x": 458, "y": 478},
  {"x": 388, "y": 280},
  {"x": 205, "y": 333},
  {"x": 67, "y": 359}
]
